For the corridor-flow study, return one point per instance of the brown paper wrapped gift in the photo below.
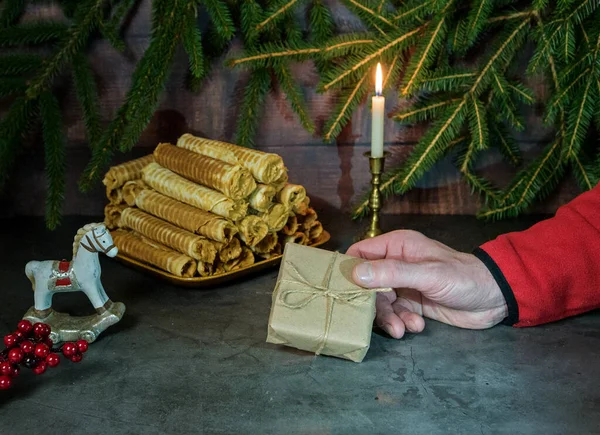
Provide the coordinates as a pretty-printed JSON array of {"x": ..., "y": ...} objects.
[{"x": 317, "y": 307}]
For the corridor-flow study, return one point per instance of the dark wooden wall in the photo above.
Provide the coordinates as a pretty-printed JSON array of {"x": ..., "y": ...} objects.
[{"x": 335, "y": 175}]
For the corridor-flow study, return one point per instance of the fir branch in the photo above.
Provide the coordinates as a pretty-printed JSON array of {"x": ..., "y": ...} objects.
[
  {"x": 221, "y": 16},
  {"x": 254, "y": 96},
  {"x": 86, "y": 20},
  {"x": 413, "y": 10},
  {"x": 432, "y": 146},
  {"x": 477, "y": 124},
  {"x": 387, "y": 184},
  {"x": 276, "y": 13},
  {"x": 111, "y": 29},
  {"x": 87, "y": 94},
  {"x": 511, "y": 16},
  {"x": 12, "y": 86},
  {"x": 16, "y": 64},
  {"x": 294, "y": 96},
  {"x": 426, "y": 109},
  {"x": 447, "y": 80},
  {"x": 192, "y": 43},
  {"x": 54, "y": 141},
  {"x": 381, "y": 48},
  {"x": 541, "y": 175},
  {"x": 505, "y": 144},
  {"x": 32, "y": 34},
  {"x": 250, "y": 16},
  {"x": 580, "y": 117},
  {"x": 501, "y": 54},
  {"x": 583, "y": 175},
  {"x": 13, "y": 125},
  {"x": 478, "y": 18},
  {"x": 272, "y": 52},
  {"x": 321, "y": 22},
  {"x": 11, "y": 12},
  {"x": 428, "y": 50},
  {"x": 147, "y": 83},
  {"x": 343, "y": 112},
  {"x": 369, "y": 15}
]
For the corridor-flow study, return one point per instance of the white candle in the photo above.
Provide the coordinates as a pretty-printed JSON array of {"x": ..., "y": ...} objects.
[{"x": 378, "y": 102}]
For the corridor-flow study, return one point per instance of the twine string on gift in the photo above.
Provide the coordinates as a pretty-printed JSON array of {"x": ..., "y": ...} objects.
[{"x": 351, "y": 296}]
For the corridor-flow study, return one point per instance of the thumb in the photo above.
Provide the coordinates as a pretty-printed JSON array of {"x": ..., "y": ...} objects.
[{"x": 390, "y": 273}]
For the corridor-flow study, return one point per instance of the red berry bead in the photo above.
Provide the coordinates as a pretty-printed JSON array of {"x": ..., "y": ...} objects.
[
  {"x": 49, "y": 343},
  {"x": 69, "y": 349},
  {"x": 40, "y": 368},
  {"x": 41, "y": 330},
  {"x": 53, "y": 359},
  {"x": 10, "y": 340},
  {"x": 16, "y": 370},
  {"x": 6, "y": 368},
  {"x": 30, "y": 361},
  {"x": 27, "y": 346},
  {"x": 20, "y": 336},
  {"x": 41, "y": 350},
  {"x": 15, "y": 355},
  {"x": 76, "y": 357},
  {"x": 5, "y": 382},
  {"x": 82, "y": 345},
  {"x": 25, "y": 326}
]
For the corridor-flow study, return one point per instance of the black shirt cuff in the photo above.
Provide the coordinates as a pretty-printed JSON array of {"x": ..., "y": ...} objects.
[{"x": 507, "y": 292}]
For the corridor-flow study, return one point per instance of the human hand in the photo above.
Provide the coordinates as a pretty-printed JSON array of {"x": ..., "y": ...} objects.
[{"x": 430, "y": 280}]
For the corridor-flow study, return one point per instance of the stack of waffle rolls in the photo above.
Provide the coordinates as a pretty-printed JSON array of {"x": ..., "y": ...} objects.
[
  {"x": 205, "y": 207},
  {"x": 117, "y": 176}
]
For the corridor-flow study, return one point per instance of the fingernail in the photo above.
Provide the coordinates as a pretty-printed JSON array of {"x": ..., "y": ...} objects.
[
  {"x": 364, "y": 272},
  {"x": 411, "y": 326},
  {"x": 388, "y": 328}
]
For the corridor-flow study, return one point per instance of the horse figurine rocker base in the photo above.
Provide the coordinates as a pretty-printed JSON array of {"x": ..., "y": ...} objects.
[{"x": 81, "y": 274}]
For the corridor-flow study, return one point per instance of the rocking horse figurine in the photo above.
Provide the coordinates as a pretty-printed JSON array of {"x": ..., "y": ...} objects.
[{"x": 81, "y": 274}]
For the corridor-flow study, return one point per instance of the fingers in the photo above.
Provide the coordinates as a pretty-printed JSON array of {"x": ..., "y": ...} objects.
[
  {"x": 396, "y": 319},
  {"x": 386, "y": 318},
  {"x": 391, "y": 273}
]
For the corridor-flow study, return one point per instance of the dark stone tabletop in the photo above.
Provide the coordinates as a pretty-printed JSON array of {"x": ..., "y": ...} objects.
[{"x": 196, "y": 361}]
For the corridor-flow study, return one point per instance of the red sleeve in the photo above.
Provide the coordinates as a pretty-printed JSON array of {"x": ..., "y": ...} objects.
[{"x": 552, "y": 270}]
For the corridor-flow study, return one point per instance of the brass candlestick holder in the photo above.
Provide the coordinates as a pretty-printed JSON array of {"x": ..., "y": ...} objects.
[{"x": 376, "y": 165}]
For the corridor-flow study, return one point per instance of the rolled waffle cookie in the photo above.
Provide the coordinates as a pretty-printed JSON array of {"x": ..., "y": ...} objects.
[
  {"x": 169, "y": 235},
  {"x": 115, "y": 196},
  {"x": 112, "y": 215},
  {"x": 118, "y": 175},
  {"x": 308, "y": 219},
  {"x": 252, "y": 230},
  {"x": 280, "y": 182},
  {"x": 228, "y": 251},
  {"x": 170, "y": 261},
  {"x": 266, "y": 245},
  {"x": 132, "y": 189},
  {"x": 301, "y": 207},
  {"x": 275, "y": 218},
  {"x": 291, "y": 226},
  {"x": 299, "y": 238},
  {"x": 244, "y": 260},
  {"x": 264, "y": 167},
  {"x": 290, "y": 195},
  {"x": 233, "y": 181},
  {"x": 205, "y": 269},
  {"x": 262, "y": 197},
  {"x": 315, "y": 231},
  {"x": 273, "y": 252},
  {"x": 170, "y": 184},
  {"x": 185, "y": 216}
]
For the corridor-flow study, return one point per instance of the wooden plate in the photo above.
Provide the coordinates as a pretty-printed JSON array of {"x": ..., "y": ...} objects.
[{"x": 211, "y": 281}]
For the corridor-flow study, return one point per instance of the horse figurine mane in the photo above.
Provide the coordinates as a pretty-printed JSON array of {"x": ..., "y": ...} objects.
[{"x": 82, "y": 232}]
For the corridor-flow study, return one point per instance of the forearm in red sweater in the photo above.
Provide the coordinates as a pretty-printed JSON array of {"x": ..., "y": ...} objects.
[{"x": 552, "y": 270}]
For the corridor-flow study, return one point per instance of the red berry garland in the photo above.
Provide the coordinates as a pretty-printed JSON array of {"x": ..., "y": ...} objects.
[{"x": 30, "y": 346}]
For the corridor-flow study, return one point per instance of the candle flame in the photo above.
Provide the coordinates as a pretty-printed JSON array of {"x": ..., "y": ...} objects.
[{"x": 378, "y": 80}]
